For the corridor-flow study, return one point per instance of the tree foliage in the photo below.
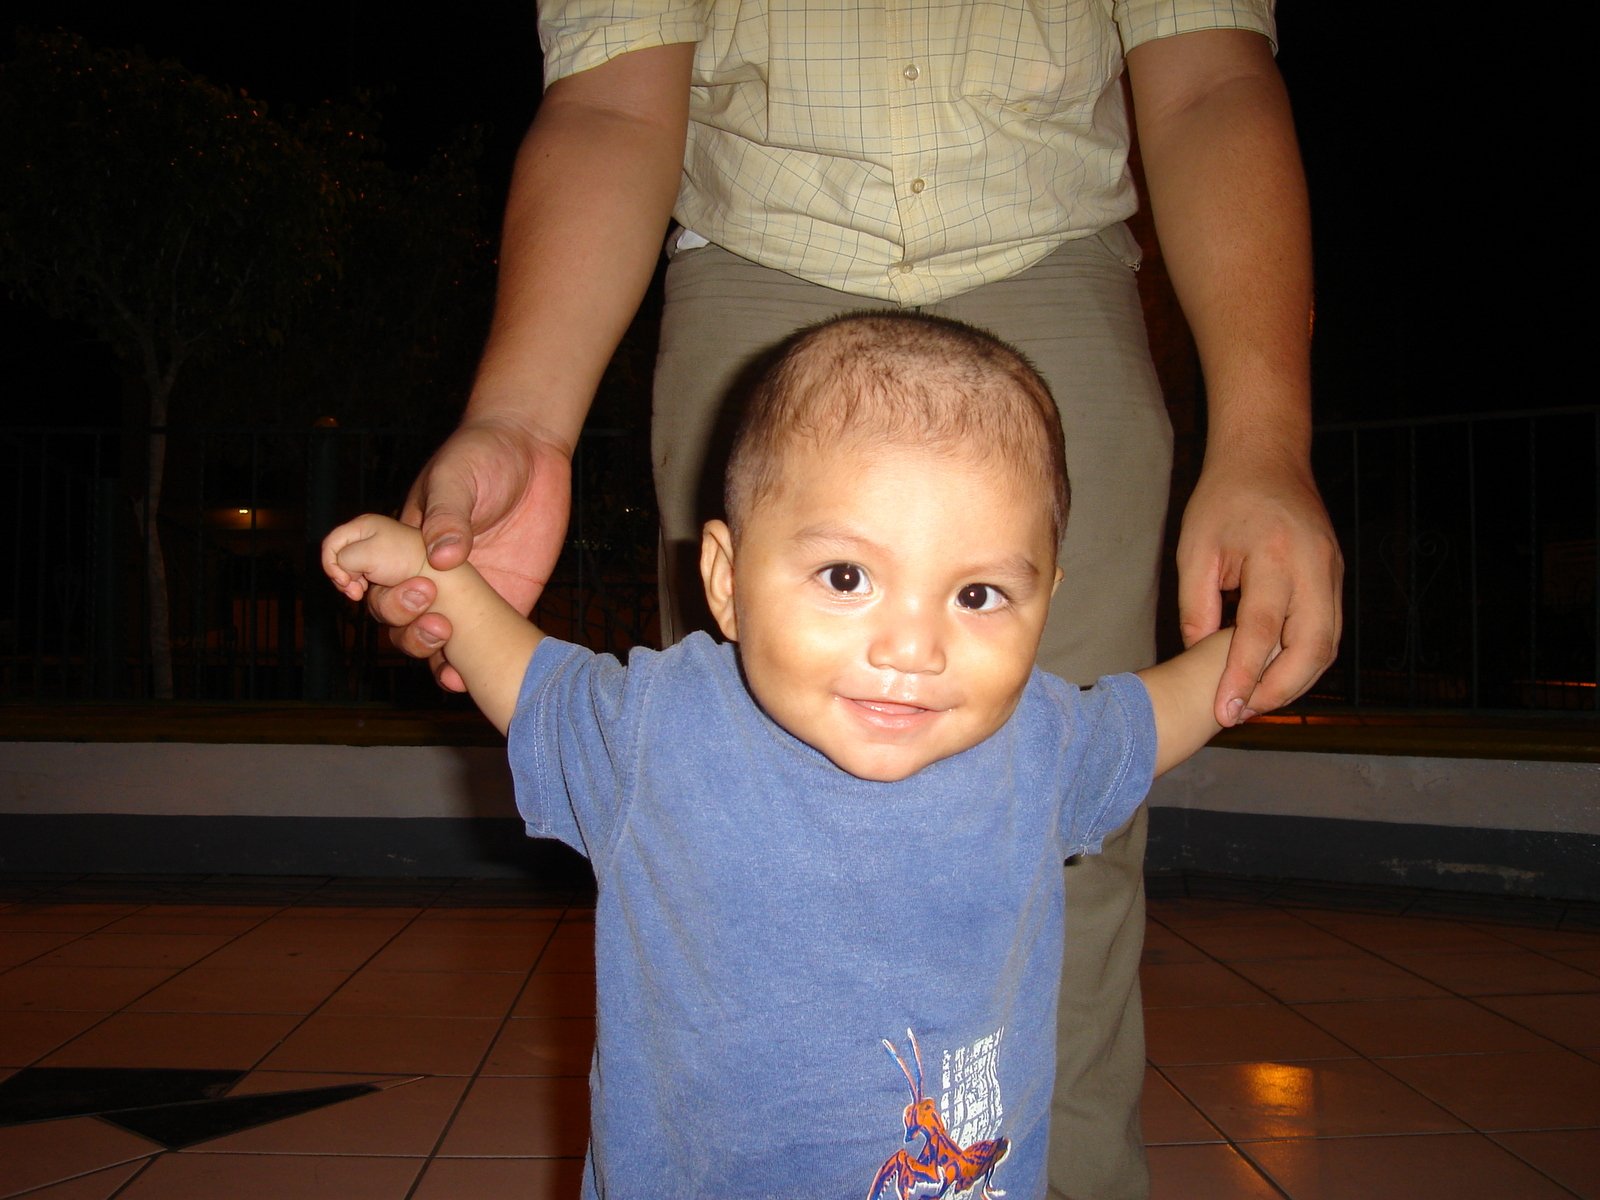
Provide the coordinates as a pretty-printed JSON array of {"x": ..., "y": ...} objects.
[
  {"x": 245, "y": 268},
  {"x": 172, "y": 216}
]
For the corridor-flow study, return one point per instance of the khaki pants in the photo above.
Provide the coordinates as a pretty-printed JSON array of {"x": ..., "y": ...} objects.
[{"x": 1076, "y": 315}]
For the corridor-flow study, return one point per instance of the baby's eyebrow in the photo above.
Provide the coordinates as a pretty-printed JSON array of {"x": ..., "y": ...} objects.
[
  {"x": 831, "y": 536},
  {"x": 1017, "y": 572}
]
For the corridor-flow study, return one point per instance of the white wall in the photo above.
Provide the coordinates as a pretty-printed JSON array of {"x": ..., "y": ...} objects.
[{"x": 180, "y": 779}]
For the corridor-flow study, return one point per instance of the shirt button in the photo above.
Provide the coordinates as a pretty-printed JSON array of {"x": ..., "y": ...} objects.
[
  {"x": 917, "y": 185},
  {"x": 903, "y": 267},
  {"x": 911, "y": 72}
]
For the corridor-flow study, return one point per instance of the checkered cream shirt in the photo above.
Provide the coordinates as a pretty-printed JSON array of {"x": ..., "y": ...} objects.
[{"x": 903, "y": 149}]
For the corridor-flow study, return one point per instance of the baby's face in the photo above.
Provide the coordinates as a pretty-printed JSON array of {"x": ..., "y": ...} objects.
[{"x": 888, "y": 602}]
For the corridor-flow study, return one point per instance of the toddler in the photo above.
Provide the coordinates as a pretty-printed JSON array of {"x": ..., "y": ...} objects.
[{"x": 828, "y": 848}]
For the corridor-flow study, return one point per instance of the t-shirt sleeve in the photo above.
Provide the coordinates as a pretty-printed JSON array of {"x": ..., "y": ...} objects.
[
  {"x": 568, "y": 743},
  {"x": 1146, "y": 20},
  {"x": 1113, "y": 728},
  {"x": 579, "y": 34}
]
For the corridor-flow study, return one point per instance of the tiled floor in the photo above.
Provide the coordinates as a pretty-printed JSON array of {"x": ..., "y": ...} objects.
[{"x": 428, "y": 1040}]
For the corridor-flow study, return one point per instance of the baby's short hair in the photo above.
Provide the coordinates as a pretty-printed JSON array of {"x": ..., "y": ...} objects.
[{"x": 899, "y": 378}]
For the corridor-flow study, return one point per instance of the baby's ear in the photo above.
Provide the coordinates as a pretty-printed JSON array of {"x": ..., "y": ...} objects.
[{"x": 716, "y": 574}]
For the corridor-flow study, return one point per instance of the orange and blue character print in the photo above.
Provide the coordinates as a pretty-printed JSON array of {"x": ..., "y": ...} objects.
[{"x": 942, "y": 1169}]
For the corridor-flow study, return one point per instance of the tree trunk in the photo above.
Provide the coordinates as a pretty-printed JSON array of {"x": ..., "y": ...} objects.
[{"x": 157, "y": 608}]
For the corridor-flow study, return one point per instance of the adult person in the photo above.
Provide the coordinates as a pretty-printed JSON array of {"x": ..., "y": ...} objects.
[{"x": 970, "y": 159}]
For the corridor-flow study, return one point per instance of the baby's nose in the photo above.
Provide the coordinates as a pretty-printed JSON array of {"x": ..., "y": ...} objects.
[{"x": 909, "y": 639}]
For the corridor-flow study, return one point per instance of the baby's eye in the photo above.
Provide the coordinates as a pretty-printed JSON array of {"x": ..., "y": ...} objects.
[
  {"x": 980, "y": 597},
  {"x": 845, "y": 577}
]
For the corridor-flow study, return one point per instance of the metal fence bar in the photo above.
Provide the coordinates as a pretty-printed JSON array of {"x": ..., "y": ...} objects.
[{"x": 1474, "y": 690}]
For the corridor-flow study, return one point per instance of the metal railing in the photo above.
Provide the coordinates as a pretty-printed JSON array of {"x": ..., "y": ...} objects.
[
  {"x": 240, "y": 515},
  {"x": 1472, "y": 579}
]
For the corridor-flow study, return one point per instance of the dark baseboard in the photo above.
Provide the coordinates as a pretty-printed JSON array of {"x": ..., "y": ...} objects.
[
  {"x": 1508, "y": 862},
  {"x": 376, "y": 847},
  {"x": 1369, "y": 853}
]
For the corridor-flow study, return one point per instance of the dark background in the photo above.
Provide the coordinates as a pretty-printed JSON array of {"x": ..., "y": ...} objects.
[{"x": 1443, "y": 191}]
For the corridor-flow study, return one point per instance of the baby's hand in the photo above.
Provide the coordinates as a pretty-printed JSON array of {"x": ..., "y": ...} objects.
[{"x": 372, "y": 549}]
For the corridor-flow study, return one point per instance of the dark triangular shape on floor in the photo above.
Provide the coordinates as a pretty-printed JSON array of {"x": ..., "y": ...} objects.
[
  {"x": 178, "y": 1125},
  {"x": 46, "y": 1093}
]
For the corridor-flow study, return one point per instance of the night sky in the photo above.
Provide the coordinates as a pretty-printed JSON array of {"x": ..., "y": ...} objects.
[{"x": 1447, "y": 246}]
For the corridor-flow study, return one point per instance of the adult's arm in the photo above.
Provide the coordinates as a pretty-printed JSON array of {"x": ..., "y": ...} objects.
[
  {"x": 1228, "y": 196},
  {"x": 591, "y": 194}
]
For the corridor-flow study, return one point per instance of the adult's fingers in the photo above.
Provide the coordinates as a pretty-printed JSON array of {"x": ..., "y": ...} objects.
[
  {"x": 446, "y": 502},
  {"x": 1257, "y": 637},
  {"x": 1309, "y": 641},
  {"x": 402, "y": 604}
]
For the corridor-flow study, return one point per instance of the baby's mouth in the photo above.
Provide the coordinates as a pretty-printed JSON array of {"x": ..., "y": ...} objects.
[
  {"x": 891, "y": 716},
  {"x": 892, "y": 708}
]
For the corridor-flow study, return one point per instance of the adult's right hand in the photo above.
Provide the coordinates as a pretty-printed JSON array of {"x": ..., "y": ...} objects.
[{"x": 497, "y": 494}]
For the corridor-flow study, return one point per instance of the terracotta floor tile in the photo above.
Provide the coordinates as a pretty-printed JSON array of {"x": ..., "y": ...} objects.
[
  {"x": 85, "y": 989},
  {"x": 1190, "y": 984},
  {"x": 549, "y": 995},
  {"x": 571, "y": 948},
  {"x": 299, "y": 948},
  {"x": 535, "y": 924},
  {"x": 185, "y": 920},
  {"x": 174, "y": 950},
  {"x": 1183, "y": 912},
  {"x": 20, "y": 945},
  {"x": 542, "y": 1046},
  {"x": 1495, "y": 974},
  {"x": 521, "y": 1117},
  {"x": 1440, "y": 1025},
  {"x": 1460, "y": 1166},
  {"x": 1572, "y": 1019},
  {"x": 99, "y": 1185},
  {"x": 501, "y": 1179},
  {"x": 353, "y": 912},
  {"x": 80, "y": 918},
  {"x": 1585, "y": 960},
  {"x": 1569, "y": 1156},
  {"x": 1497, "y": 1092},
  {"x": 1205, "y": 1173},
  {"x": 52, "y": 1151},
  {"x": 425, "y": 993},
  {"x": 404, "y": 1118},
  {"x": 1330, "y": 1098},
  {"x": 273, "y": 1177},
  {"x": 391, "y": 1045},
  {"x": 1383, "y": 933},
  {"x": 25, "y": 1036},
  {"x": 1168, "y": 1118},
  {"x": 1162, "y": 945},
  {"x": 199, "y": 1040},
  {"x": 1258, "y": 939},
  {"x": 1304, "y": 980},
  {"x": 1536, "y": 937},
  {"x": 1239, "y": 1033},
  {"x": 420, "y": 950},
  {"x": 318, "y": 923},
  {"x": 205, "y": 988}
]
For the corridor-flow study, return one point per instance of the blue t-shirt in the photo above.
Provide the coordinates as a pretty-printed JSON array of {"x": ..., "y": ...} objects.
[{"x": 813, "y": 985}]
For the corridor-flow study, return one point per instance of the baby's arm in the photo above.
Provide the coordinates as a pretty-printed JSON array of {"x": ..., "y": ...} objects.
[
  {"x": 491, "y": 642},
  {"x": 1182, "y": 691}
]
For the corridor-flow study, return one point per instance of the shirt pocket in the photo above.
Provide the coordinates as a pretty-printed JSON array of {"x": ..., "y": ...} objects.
[{"x": 1039, "y": 58}]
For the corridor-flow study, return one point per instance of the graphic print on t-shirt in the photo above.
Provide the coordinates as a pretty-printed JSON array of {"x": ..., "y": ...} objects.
[{"x": 953, "y": 1152}]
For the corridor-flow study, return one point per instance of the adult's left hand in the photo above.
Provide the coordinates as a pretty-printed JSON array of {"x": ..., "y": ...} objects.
[{"x": 1259, "y": 527}]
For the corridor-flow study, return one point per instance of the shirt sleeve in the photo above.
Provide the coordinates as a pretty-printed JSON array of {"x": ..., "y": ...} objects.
[
  {"x": 1146, "y": 20},
  {"x": 569, "y": 744},
  {"x": 1114, "y": 729},
  {"x": 579, "y": 34}
]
